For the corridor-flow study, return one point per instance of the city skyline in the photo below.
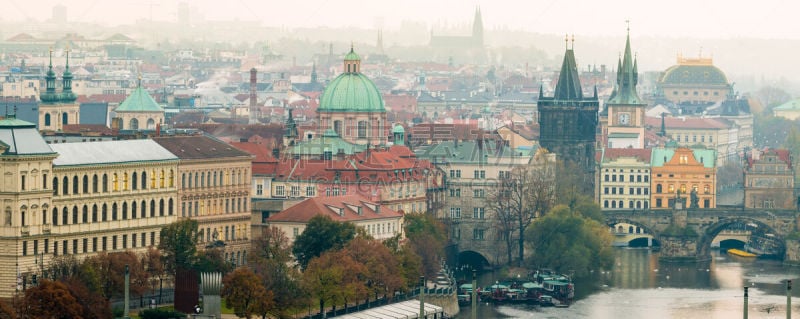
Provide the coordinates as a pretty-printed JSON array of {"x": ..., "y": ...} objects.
[{"x": 770, "y": 19}]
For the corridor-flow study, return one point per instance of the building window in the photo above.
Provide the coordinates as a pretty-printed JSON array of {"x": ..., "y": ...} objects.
[
  {"x": 477, "y": 234},
  {"x": 605, "y": 177},
  {"x": 605, "y": 190},
  {"x": 479, "y": 174},
  {"x": 294, "y": 191},
  {"x": 295, "y": 232},
  {"x": 310, "y": 191},
  {"x": 280, "y": 191},
  {"x": 455, "y": 173},
  {"x": 605, "y": 204},
  {"x": 478, "y": 193},
  {"x": 478, "y": 213},
  {"x": 455, "y": 192},
  {"x": 455, "y": 212},
  {"x": 658, "y": 202},
  {"x": 259, "y": 189},
  {"x": 706, "y": 203},
  {"x": 362, "y": 129}
]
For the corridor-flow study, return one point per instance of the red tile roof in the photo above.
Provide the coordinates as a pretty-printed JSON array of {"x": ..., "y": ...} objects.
[
  {"x": 339, "y": 208},
  {"x": 642, "y": 155}
]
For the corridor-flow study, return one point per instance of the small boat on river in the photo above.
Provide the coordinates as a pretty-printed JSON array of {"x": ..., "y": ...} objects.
[{"x": 740, "y": 253}]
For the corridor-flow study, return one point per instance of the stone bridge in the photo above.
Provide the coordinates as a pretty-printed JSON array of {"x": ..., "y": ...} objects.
[{"x": 686, "y": 235}]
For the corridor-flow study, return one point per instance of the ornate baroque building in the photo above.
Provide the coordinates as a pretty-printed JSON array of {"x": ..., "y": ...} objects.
[
  {"x": 679, "y": 172},
  {"x": 78, "y": 199},
  {"x": 568, "y": 122},
  {"x": 214, "y": 189},
  {"x": 58, "y": 109}
]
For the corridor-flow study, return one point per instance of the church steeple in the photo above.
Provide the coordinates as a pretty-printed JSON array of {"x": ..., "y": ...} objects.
[
  {"x": 49, "y": 95},
  {"x": 352, "y": 62},
  {"x": 314, "y": 72},
  {"x": 568, "y": 86},
  {"x": 477, "y": 27},
  {"x": 66, "y": 93},
  {"x": 627, "y": 77}
]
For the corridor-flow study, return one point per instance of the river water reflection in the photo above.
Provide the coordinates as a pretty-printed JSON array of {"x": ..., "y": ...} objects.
[{"x": 641, "y": 287}]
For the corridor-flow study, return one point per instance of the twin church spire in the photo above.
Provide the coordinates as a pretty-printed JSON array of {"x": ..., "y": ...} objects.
[
  {"x": 627, "y": 77},
  {"x": 50, "y": 95}
]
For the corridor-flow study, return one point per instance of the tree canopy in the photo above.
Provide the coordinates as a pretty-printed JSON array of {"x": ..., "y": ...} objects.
[
  {"x": 321, "y": 234},
  {"x": 243, "y": 291},
  {"x": 570, "y": 240},
  {"x": 427, "y": 237},
  {"x": 178, "y": 245},
  {"x": 271, "y": 259}
]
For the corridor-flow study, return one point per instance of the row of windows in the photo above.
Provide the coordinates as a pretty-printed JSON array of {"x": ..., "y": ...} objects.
[
  {"x": 677, "y": 138},
  {"x": 229, "y": 232},
  {"x": 477, "y": 212},
  {"x": 631, "y": 178},
  {"x": 101, "y": 213},
  {"x": 621, "y": 190},
  {"x": 670, "y": 201},
  {"x": 682, "y": 187},
  {"x": 614, "y": 170},
  {"x": 696, "y": 93},
  {"x": 631, "y": 204},
  {"x": 208, "y": 207},
  {"x": 294, "y": 191},
  {"x": 84, "y": 245},
  {"x": 213, "y": 179},
  {"x": 477, "y": 234},
  {"x": 100, "y": 184}
]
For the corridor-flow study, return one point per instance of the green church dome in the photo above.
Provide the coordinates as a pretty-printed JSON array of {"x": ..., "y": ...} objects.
[
  {"x": 683, "y": 74},
  {"x": 139, "y": 101},
  {"x": 351, "y": 91},
  {"x": 398, "y": 129}
]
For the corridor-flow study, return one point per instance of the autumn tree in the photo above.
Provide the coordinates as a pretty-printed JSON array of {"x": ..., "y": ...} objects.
[
  {"x": 213, "y": 260},
  {"x": 111, "y": 271},
  {"x": 382, "y": 270},
  {"x": 321, "y": 234},
  {"x": 427, "y": 237},
  {"x": 243, "y": 291},
  {"x": 271, "y": 258},
  {"x": 178, "y": 245},
  {"x": 52, "y": 300},
  {"x": 6, "y": 311},
  {"x": 333, "y": 278},
  {"x": 521, "y": 195},
  {"x": 83, "y": 282},
  {"x": 571, "y": 240}
]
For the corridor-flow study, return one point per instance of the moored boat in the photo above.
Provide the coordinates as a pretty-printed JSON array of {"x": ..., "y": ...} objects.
[{"x": 740, "y": 253}]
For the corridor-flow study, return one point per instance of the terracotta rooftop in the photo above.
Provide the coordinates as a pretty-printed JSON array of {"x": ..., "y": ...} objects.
[
  {"x": 642, "y": 155},
  {"x": 199, "y": 147},
  {"x": 346, "y": 208}
]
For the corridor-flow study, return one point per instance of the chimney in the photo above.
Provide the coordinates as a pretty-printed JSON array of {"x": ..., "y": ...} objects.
[
  {"x": 158, "y": 129},
  {"x": 253, "y": 97}
]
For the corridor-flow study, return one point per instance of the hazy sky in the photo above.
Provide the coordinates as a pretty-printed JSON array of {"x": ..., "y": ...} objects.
[{"x": 680, "y": 18}]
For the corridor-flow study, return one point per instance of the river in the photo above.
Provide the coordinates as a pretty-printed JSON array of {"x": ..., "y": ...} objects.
[{"x": 640, "y": 286}]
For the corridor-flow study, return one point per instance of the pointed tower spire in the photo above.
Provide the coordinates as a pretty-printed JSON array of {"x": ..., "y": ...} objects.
[
  {"x": 477, "y": 28},
  {"x": 314, "y": 72},
  {"x": 66, "y": 94},
  {"x": 569, "y": 83},
  {"x": 49, "y": 95},
  {"x": 626, "y": 76}
]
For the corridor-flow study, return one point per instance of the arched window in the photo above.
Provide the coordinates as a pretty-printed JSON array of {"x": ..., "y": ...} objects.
[
  {"x": 64, "y": 216},
  {"x": 144, "y": 180},
  {"x": 65, "y": 187},
  {"x": 134, "y": 184},
  {"x": 115, "y": 182},
  {"x": 64, "y": 118},
  {"x": 133, "y": 124},
  {"x": 170, "y": 207},
  {"x": 605, "y": 204},
  {"x": 183, "y": 180},
  {"x": 630, "y": 229},
  {"x": 85, "y": 214},
  {"x": 638, "y": 204},
  {"x": 104, "y": 213},
  {"x": 94, "y": 183},
  {"x": 143, "y": 210},
  {"x": 47, "y": 119},
  {"x": 55, "y": 186},
  {"x": 74, "y": 214},
  {"x": 337, "y": 127},
  {"x": 162, "y": 179},
  {"x": 161, "y": 207},
  {"x": 105, "y": 183},
  {"x": 153, "y": 180},
  {"x": 203, "y": 179},
  {"x": 620, "y": 204},
  {"x": 362, "y": 129},
  {"x": 94, "y": 213},
  {"x": 75, "y": 185},
  {"x": 613, "y": 204},
  {"x": 114, "y": 211},
  {"x": 55, "y": 216},
  {"x": 85, "y": 184},
  {"x": 151, "y": 124},
  {"x": 630, "y": 204},
  {"x": 152, "y": 208},
  {"x": 658, "y": 189},
  {"x": 125, "y": 181},
  {"x": 124, "y": 210},
  {"x": 133, "y": 210}
]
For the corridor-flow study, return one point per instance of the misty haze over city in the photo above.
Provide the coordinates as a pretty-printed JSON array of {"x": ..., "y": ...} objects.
[{"x": 751, "y": 41}]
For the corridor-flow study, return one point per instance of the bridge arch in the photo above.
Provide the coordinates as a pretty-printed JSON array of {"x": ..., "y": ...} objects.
[
  {"x": 634, "y": 229},
  {"x": 474, "y": 259},
  {"x": 704, "y": 243}
]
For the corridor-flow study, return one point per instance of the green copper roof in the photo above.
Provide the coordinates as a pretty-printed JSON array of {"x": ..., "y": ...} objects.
[
  {"x": 398, "y": 129},
  {"x": 694, "y": 74},
  {"x": 351, "y": 92},
  {"x": 352, "y": 56},
  {"x": 329, "y": 142},
  {"x": 789, "y": 106},
  {"x": 569, "y": 83},
  {"x": 139, "y": 101},
  {"x": 627, "y": 78}
]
